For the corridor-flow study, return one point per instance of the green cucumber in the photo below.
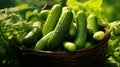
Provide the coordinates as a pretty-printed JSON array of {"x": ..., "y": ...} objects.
[
  {"x": 69, "y": 46},
  {"x": 60, "y": 30},
  {"x": 52, "y": 19},
  {"x": 99, "y": 35},
  {"x": 81, "y": 35},
  {"x": 72, "y": 32},
  {"x": 43, "y": 14},
  {"x": 92, "y": 24},
  {"x": 42, "y": 43},
  {"x": 88, "y": 44}
]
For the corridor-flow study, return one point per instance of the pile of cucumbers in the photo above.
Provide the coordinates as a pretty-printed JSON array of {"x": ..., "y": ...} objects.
[{"x": 61, "y": 29}]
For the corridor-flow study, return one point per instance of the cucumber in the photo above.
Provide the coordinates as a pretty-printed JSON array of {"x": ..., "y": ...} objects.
[
  {"x": 42, "y": 43},
  {"x": 92, "y": 24},
  {"x": 32, "y": 16},
  {"x": 43, "y": 14},
  {"x": 52, "y": 19},
  {"x": 33, "y": 36},
  {"x": 72, "y": 32},
  {"x": 60, "y": 30},
  {"x": 69, "y": 46},
  {"x": 88, "y": 44},
  {"x": 81, "y": 35},
  {"x": 99, "y": 35}
]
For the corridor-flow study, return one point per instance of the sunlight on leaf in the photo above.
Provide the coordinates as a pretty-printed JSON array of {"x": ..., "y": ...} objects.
[
  {"x": 74, "y": 4},
  {"x": 95, "y": 7},
  {"x": 91, "y": 6},
  {"x": 94, "y": 3}
]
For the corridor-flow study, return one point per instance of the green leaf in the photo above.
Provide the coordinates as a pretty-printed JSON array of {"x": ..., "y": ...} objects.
[
  {"x": 74, "y": 4},
  {"x": 94, "y": 3},
  {"x": 90, "y": 6}
]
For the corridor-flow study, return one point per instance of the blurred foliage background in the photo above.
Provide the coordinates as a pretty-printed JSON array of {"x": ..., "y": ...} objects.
[
  {"x": 111, "y": 11},
  {"x": 7, "y": 3},
  {"x": 111, "y": 7}
]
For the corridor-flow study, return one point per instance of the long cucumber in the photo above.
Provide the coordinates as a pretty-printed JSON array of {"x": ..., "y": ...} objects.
[
  {"x": 52, "y": 19},
  {"x": 80, "y": 39},
  {"x": 60, "y": 30}
]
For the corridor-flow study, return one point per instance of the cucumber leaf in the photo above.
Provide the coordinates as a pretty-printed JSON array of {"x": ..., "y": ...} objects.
[
  {"x": 95, "y": 7},
  {"x": 94, "y": 3},
  {"x": 90, "y": 6},
  {"x": 74, "y": 4}
]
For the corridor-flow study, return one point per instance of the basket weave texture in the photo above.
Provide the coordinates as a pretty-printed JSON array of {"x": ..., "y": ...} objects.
[{"x": 93, "y": 56}]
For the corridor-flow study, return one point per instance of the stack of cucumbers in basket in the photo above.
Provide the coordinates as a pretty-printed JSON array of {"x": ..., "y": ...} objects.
[{"x": 61, "y": 29}]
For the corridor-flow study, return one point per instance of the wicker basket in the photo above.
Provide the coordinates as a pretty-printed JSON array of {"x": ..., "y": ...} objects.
[{"x": 93, "y": 56}]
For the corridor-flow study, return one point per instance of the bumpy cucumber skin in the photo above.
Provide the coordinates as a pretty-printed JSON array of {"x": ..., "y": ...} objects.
[
  {"x": 52, "y": 19},
  {"x": 60, "y": 30},
  {"x": 81, "y": 35},
  {"x": 42, "y": 43},
  {"x": 92, "y": 24}
]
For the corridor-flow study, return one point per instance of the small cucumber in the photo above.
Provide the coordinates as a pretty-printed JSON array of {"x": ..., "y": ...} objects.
[
  {"x": 72, "y": 32},
  {"x": 92, "y": 24},
  {"x": 99, "y": 35},
  {"x": 88, "y": 44},
  {"x": 69, "y": 46},
  {"x": 81, "y": 35},
  {"x": 43, "y": 14}
]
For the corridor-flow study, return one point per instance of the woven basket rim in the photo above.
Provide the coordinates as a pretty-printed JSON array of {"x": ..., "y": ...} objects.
[{"x": 13, "y": 44}]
